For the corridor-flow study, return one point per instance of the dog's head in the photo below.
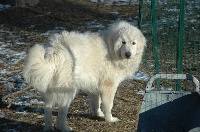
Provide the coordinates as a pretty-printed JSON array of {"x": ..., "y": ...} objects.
[{"x": 125, "y": 41}]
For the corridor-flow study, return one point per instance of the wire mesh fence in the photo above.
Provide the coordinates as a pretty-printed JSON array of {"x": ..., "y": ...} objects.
[{"x": 167, "y": 20}]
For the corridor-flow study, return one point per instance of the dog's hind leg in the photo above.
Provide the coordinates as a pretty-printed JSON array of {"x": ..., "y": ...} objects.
[
  {"x": 48, "y": 113},
  {"x": 63, "y": 110},
  {"x": 95, "y": 104}
]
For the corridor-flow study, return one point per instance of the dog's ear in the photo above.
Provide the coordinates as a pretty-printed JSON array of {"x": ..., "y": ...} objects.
[
  {"x": 112, "y": 36},
  {"x": 142, "y": 43}
]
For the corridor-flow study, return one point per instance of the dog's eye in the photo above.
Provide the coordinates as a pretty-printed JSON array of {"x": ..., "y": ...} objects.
[
  {"x": 123, "y": 42},
  {"x": 133, "y": 43}
]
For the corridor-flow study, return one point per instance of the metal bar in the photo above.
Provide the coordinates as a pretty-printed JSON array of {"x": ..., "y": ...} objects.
[
  {"x": 140, "y": 14},
  {"x": 155, "y": 40},
  {"x": 180, "y": 44},
  {"x": 169, "y": 92},
  {"x": 173, "y": 76}
]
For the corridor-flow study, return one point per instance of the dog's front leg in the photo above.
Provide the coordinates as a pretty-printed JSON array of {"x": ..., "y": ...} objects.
[{"x": 107, "y": 96}]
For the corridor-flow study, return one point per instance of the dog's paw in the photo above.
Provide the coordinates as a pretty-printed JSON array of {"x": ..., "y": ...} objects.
[
  {"x": 64, "y": 129},
  {"x": 48, "y": 129},
  {"x": 67, "y": 129},
  {"x": 112, "y": 119},
  {"x": 100, "y": 114}
]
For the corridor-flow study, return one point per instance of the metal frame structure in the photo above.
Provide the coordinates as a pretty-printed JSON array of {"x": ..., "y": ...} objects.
[{"x": 165, "y": 109}]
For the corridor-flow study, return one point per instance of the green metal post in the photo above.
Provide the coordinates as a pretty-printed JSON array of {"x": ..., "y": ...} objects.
[
  {"x": 140, "y": 14},
  {"x": 155, "y": 40},
  {"x": 180, "y": 44}
]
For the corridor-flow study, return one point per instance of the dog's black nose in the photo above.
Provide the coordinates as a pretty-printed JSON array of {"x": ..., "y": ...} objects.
[{"x": 128, "y": 54}]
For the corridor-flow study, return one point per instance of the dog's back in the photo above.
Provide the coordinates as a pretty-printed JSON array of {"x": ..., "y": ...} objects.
[{"x": 69, "y": 59}]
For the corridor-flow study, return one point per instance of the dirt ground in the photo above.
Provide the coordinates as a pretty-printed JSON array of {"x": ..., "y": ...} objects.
[{"x": 68, "y": 14}]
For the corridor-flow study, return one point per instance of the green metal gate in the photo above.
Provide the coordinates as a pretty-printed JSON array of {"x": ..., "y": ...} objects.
[{"x": 172, "y": 28}]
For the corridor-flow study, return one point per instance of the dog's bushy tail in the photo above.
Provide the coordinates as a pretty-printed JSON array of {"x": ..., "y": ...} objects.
[{"x": 38, "y": 72}]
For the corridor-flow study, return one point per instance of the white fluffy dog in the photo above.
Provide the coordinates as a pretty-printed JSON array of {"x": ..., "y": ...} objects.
[{"x": 91, "y": 62}]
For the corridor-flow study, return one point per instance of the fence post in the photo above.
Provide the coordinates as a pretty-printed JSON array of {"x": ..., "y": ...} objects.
[
  {"x": 155, "y": 40},
  {"x": 180, "y": 43},
  {"x": 140, "y": 14}
]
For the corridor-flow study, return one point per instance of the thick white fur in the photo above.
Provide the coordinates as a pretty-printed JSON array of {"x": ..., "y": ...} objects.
[{"x": 91, "y": 62}]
